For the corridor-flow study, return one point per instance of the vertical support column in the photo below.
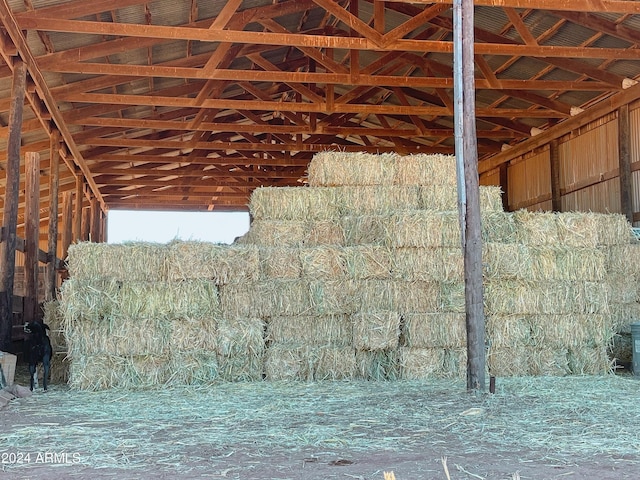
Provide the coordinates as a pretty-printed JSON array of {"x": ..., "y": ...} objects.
[
  {"x": 12, "y": 195},
  {"x": 94, "y": 231},
  {"x": 86, "y": 224},
  {"x": 67, "y": 222},
  {"x": 504, "y": 184},
  {"x": 624, "y": 159},
  {"x": 54, "y": 183},
  {"x": 32, "y": 235},
  {"x": 554, "y": 157},
  {"x": 77, "y": 222}
]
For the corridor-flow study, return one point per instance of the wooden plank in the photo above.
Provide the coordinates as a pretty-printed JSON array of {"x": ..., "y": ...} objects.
[
  {"x": 624, "y": 159},
  {"x": 77, "y": 219},
  {"x": 617, "y": 6},
  {"x": 554, "y": 154},
  {"x": 86, "y": 225},
  {"x": 67, "y": 222},
  {"x": 32, "y": 227},
  {"x": 94, "y": 228},
  {"x": 52, "y": 244},
  {"x": 12, "y": 195}
]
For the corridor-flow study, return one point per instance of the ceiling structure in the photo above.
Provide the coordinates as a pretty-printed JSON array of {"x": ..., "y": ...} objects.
[{"x": 192, "y": 104}]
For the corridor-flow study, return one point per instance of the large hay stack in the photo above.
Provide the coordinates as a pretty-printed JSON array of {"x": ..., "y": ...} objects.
[{"x": 359, "y": 275}]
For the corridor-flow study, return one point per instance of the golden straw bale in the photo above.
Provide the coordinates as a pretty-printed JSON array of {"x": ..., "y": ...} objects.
[
  {"x": 376, "y": 200},
  {"x": 335, "y": 330},
  {"x": 302, "y": 362},
  {"x": 324, "y": 232},
  {"x": 508, "y": 361},
  {"x": 323, "y": 262},
  {"x": 580, "y": 263},
  {"x": 438, "y": 198},
  {"x": 280, "y": 262},
  {"x": 276, "y": 233},
  {"x": 589, "y": 360},
  {"x": 240, "y": 335},
  {"x": 285, "y": 362},
  {"x": 195, "y": 367},
  {"x": 342, "y": 168},
  {"x": 376, "y": 330},
  {"x": 294, "y": 203},
  {"x": 578, "y": 229},
  {"x": 377, "y": 365},
  {"x": 536, "y": 228},
  {"x": 423, "y": 229},
  {"x": 400, "y": 296},
  {"x": 129, "y": 372},
  {"x": 205, "y": 260},
  {"x": 333, "y": 296},
  {"x": 241, "y": 367},
  {"x": 265, "y": 298},
  {"x": 505, "y": 330},
  {"x": 364, "y": 229},
  {"x": 421, "y": 363},
  {"x": 614, "y": 229},
  {"x": 335, "y": 363},
  {"x": 499, "y": 227},
  {"x": 365, "y": 262},
  {"x": 428, "y": 264},
  {"x": 621, "y": 290},
  {"x": 623, "y": 315},
  {"x": 506, "y": 261},
  {"x": 455, "y": 362},
  {"x": 622, "y": 260},
  {"x": 548, "y": 361},
  {"x": 193, "y": 333},
  {"x": 571, "y": 330},
  {"x": 132, "y": 261},
  {"x": 429, "y": 330},
  {"x": 423, "y": 169}
]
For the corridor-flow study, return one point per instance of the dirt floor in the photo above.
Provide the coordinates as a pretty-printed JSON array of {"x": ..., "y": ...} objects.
[{"x": 532, "y": 428}]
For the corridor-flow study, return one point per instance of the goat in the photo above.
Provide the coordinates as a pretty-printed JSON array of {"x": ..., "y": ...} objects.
[{"x": 38, "y": 350}]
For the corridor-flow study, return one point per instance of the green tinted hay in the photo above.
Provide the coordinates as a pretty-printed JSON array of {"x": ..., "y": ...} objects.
[
  {"x": 421, "y": 363},
  {"x": 376, "y": 330},
  {"x": 323, "y": 262},
  {"x": 428, "y": 264},
  {"x": 280, "y": 263},
  {"x": 431, "y": 330},
  {"x": 294, "y": 203},
  {"x": 334, "y": 330},
  {"x": 366, "y": 262},
  {"x": 379, "y": 365}
]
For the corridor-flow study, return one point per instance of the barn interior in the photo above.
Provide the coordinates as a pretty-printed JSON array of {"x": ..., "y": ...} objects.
[{"x": 158, "y": 105}]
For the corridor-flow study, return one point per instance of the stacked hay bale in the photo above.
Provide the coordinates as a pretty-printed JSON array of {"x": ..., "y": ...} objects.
[
  {"x": 358, "y": 275},
  {"x": 52, "y": 317}
]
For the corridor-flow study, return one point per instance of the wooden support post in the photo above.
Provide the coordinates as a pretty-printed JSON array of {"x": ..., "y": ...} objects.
[
  {"x": 77, "y": 224},
  {"x": 11, "y": 198},
  {"x": 504, "y": 184},
  {"x": 466, "y": 145},
  {"x": 50, "y": 283},
  {"x": 86, "y": 224},
  {"x": 624, "y": 159},
  {"x": 67, "y": 223},
  {"x": 554, "y": 156},
  {"x": 32, "y": 235},
  {"x": 94, "y": 230}
]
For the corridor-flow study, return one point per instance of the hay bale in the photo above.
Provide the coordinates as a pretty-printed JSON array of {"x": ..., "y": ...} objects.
[
  {"x": 334, "y": 330},
  {"x": 133, "y": 261},
  {"x": 445, "y": 198},
  {"x": 333, "y": 296},
  {"x": 578, "y": 229},
  {"x": 204, "y": 260},
  {"x": 237, "y": 336},
  {"x": 498, "y": 227},
  {"x": 265, "y": 298},
  {"x": 622, "y": 260},
  {"x": 364, "y": 230},
  {"x": 54, "y": 318},
  {"x": 276, "y": 233},
  {"x": 422, "y": 229},
  {"x": 342, "y": 169},
  {"x": 614, "y": 229},
  {"x": 589, "y": 360},
  {"x": 571, "y": 330},
  {"x": 505, "y": 330},
  {"x": 421, "y": 363},
  {"x": 559, "y": 262},
  {"x": 377, "y": 365},
  {"x": 548, "y": 361},
  {"x": 376, "y": 330},
  {"x": 422, "y": 169},
  {"x": 195, "y": 367},
  {"x": 368, "y": 262},
  {"x": 508, "y": 361},
  {"x": 428, "y": 264},
  {"x": 623, "y": 315},
  {"x": 455, "y": 362},
  {"x": 323, "y": 262},
  {"x": 399, "y": 296},
  {"x": 620, "y": 290},
  {"x": 242, "y": 367},
  {"x": 130, "y": 372},
  {"x": 294, "y": 203},
  {"x": 536, "y": 228},
  {"x": 431, "y": 330},
  {"x": 323, "y": 232},
  {"x": 192, "y": 334},
  {"x": 285, "y": 362},
  {"x": 377, "y": 200},
  {"x": 506, "y": 261},
  {"x": 280, "y": 263},
  {"x": 60, "y": 364},
  {"x": 307, "y": 363},
  {"x": 335, "y": 363}
]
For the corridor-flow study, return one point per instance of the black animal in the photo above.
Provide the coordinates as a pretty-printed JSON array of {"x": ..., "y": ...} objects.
[{"x": 38, "y": 350}]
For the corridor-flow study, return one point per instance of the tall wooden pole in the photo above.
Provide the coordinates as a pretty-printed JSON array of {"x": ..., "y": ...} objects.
[
  {"x": 12, "y": 195},
  {"x": 554, "y": 158},
  {"x": 469, "y": 190},
  {"x": 67, "y": 222},
  {"x": 54, "y": 182},
  {"x": 624, "y": 159},
  {"x": 77, "y": 219},
  {"x": 32, "y": 235}
]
